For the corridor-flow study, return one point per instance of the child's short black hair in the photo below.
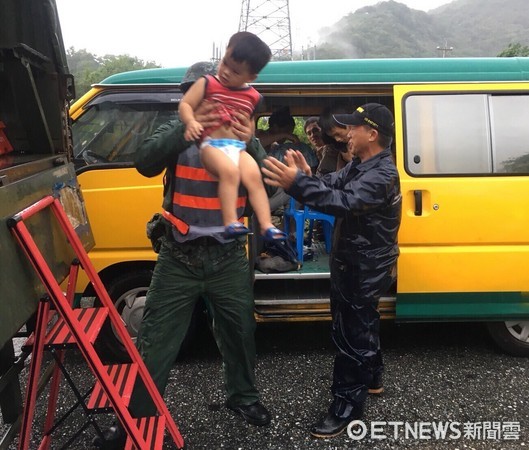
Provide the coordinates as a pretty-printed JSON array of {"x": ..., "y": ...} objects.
[
  {"x": 247, "y": 47},
  {"x": 327, "y": 122}
]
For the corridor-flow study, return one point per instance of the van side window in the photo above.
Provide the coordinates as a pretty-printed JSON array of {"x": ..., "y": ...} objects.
[
  {"x": 510, "y": 136},
  {"x": 466, "y": 134},
  {"x": 447, "y": 134}
]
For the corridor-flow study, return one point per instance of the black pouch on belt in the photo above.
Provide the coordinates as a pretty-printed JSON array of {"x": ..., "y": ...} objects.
[{"x": 157, "y": 229}]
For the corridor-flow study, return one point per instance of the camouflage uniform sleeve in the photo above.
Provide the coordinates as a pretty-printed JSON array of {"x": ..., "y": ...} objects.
[
  {"x": 257, "y": 152},
  {"x": 161, "y": 149}
]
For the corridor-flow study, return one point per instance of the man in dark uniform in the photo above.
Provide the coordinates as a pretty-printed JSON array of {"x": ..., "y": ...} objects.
[
  {"x": 195, "y": 260},
  {"x": 366, "y": 200}
]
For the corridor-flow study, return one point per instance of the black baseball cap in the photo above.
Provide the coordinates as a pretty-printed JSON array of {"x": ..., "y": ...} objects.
[{"x": 375, "y": 115}]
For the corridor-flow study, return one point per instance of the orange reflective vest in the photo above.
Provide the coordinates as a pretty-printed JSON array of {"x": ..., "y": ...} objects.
[{"x": 196, "y": 207}]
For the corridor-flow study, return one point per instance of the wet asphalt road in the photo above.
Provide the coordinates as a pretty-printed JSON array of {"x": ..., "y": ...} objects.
[{"x": 434, "y": 373}]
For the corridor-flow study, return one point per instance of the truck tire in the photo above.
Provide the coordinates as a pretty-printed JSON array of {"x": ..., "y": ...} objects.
[
  {"x": 128, "y": 292},
  {"x": 512, "y": 336}
]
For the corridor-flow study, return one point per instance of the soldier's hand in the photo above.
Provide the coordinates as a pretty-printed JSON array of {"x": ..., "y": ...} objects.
[
  {"x": 205, "y": 115},
  {"x": 243, "y": 127}
]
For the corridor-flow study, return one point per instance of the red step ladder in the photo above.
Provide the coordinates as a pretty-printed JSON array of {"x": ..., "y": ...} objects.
[{"x": 79, "y": 327}]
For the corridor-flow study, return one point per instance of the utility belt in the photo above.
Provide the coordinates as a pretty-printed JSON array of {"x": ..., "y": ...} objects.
[
  {"x": 160, "y": 232},
  {"x": 204, "y": 251},
  {"x": 208, "y": 241},
  {"x": 203, "y": 241}
]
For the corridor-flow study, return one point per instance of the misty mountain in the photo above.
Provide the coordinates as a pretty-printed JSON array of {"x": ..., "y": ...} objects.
[{"x": 461, "y": 28}]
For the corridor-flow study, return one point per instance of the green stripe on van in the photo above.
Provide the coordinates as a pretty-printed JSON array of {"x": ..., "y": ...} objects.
[
  {"x": 394, "y": 70},
  {"x": 462, "y": 306},
  {"x": 148, "y": 76}
]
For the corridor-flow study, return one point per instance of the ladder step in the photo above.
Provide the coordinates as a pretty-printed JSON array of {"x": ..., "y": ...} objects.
[
  {"x": 152, "y": 429},
  {"x": 80, "y": 328},
  {"x": 123, "y": 377},
  {"x": 60, "y": 336}
]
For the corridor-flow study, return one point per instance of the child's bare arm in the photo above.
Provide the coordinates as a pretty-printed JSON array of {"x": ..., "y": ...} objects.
[{"x": 187, "y": 107}]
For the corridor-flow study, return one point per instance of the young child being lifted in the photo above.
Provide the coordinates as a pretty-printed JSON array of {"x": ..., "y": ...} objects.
[{"x": 222, "y": 154}]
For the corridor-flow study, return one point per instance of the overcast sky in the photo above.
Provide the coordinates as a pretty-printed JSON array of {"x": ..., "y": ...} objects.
[{"x": 181, "y": 32}]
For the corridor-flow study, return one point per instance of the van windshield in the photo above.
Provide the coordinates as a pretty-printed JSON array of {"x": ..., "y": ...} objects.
[{"x": 113, "y": 126}]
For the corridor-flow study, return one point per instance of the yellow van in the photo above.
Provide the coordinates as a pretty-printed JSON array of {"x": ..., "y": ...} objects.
[{"x": 461, "y": 148}]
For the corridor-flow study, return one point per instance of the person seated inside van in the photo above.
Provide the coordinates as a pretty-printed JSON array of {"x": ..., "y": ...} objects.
[
  {"x": 312, "y": 130},
  {"x": 335, "y": 154},
  {"x": 277, "y": 139}
]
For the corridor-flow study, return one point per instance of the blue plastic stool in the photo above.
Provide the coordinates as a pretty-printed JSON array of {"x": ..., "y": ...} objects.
[
  {"x": 328, "y": 224},
  {"x": 299, "y": 216}
]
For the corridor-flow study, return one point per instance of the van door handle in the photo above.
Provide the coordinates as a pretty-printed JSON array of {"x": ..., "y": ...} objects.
[{"x": 418, "y": 202}]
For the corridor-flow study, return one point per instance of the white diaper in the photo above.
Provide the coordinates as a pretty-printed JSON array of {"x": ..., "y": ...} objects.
[{"x": 231, "y": 147}]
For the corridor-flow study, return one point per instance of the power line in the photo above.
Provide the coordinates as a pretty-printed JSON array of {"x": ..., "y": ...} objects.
[{"x": 270, "y": 20}]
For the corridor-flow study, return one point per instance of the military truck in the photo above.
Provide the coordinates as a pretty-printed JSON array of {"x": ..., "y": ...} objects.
[{"x": 35, "y": 161}]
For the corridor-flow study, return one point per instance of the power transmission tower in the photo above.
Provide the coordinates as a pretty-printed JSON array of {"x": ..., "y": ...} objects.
[
  {"x": 445, "y": 50},
  {"x": 270, "y": 20}
]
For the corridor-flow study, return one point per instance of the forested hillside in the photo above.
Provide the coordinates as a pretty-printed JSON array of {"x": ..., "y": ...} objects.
[{"x": 463, "y": 28}]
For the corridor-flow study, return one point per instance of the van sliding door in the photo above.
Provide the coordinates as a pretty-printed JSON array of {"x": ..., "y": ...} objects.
[{"x": 463, "y": 158}]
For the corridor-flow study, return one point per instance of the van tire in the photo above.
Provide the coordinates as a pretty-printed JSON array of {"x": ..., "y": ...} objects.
[
  {"x": 129, "y": 289},
  {"x": 508, "y": 336}
]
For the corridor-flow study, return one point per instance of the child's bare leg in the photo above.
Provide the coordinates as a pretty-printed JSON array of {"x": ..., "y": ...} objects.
[
  {"x": 252, "y": 181},
  {"x": 222, "y": 167}
]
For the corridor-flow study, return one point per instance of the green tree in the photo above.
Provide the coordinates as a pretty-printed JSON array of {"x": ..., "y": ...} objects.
[
  {"x": 81, "y": 60},
  {"x": 89, "y": 69},
  {"x": 515, "y": 49}
]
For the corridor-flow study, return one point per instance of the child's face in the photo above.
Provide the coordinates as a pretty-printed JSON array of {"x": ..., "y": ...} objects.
[{"x": 233, "y": 74}]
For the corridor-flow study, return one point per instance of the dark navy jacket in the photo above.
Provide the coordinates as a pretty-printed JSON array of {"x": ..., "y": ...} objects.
[{"x": 365, "y": 197}]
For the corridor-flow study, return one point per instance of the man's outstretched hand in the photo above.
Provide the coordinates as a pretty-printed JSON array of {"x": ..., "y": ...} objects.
[{"x": 281, "y": 174}]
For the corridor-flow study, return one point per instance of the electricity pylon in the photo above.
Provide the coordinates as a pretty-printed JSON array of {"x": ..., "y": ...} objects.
[{"x": 270, "y": 20}]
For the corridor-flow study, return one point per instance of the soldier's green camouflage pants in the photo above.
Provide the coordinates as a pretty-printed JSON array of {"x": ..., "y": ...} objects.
[{"x": 184, "y": 273}]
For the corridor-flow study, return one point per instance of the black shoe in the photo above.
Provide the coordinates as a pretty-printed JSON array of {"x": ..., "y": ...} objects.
[
  {"x": 376, "y": 387},
  {"x": 114, "y": 438},
  {"x": 255, "y": 414},
  {"x": 375, "y": 390},
  {"x": 330, "y": 426}
]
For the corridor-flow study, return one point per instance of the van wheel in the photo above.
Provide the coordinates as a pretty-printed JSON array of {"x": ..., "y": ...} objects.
[
  {"x": 128, "y": 293},
  {"x": 512, "y": 336}
]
